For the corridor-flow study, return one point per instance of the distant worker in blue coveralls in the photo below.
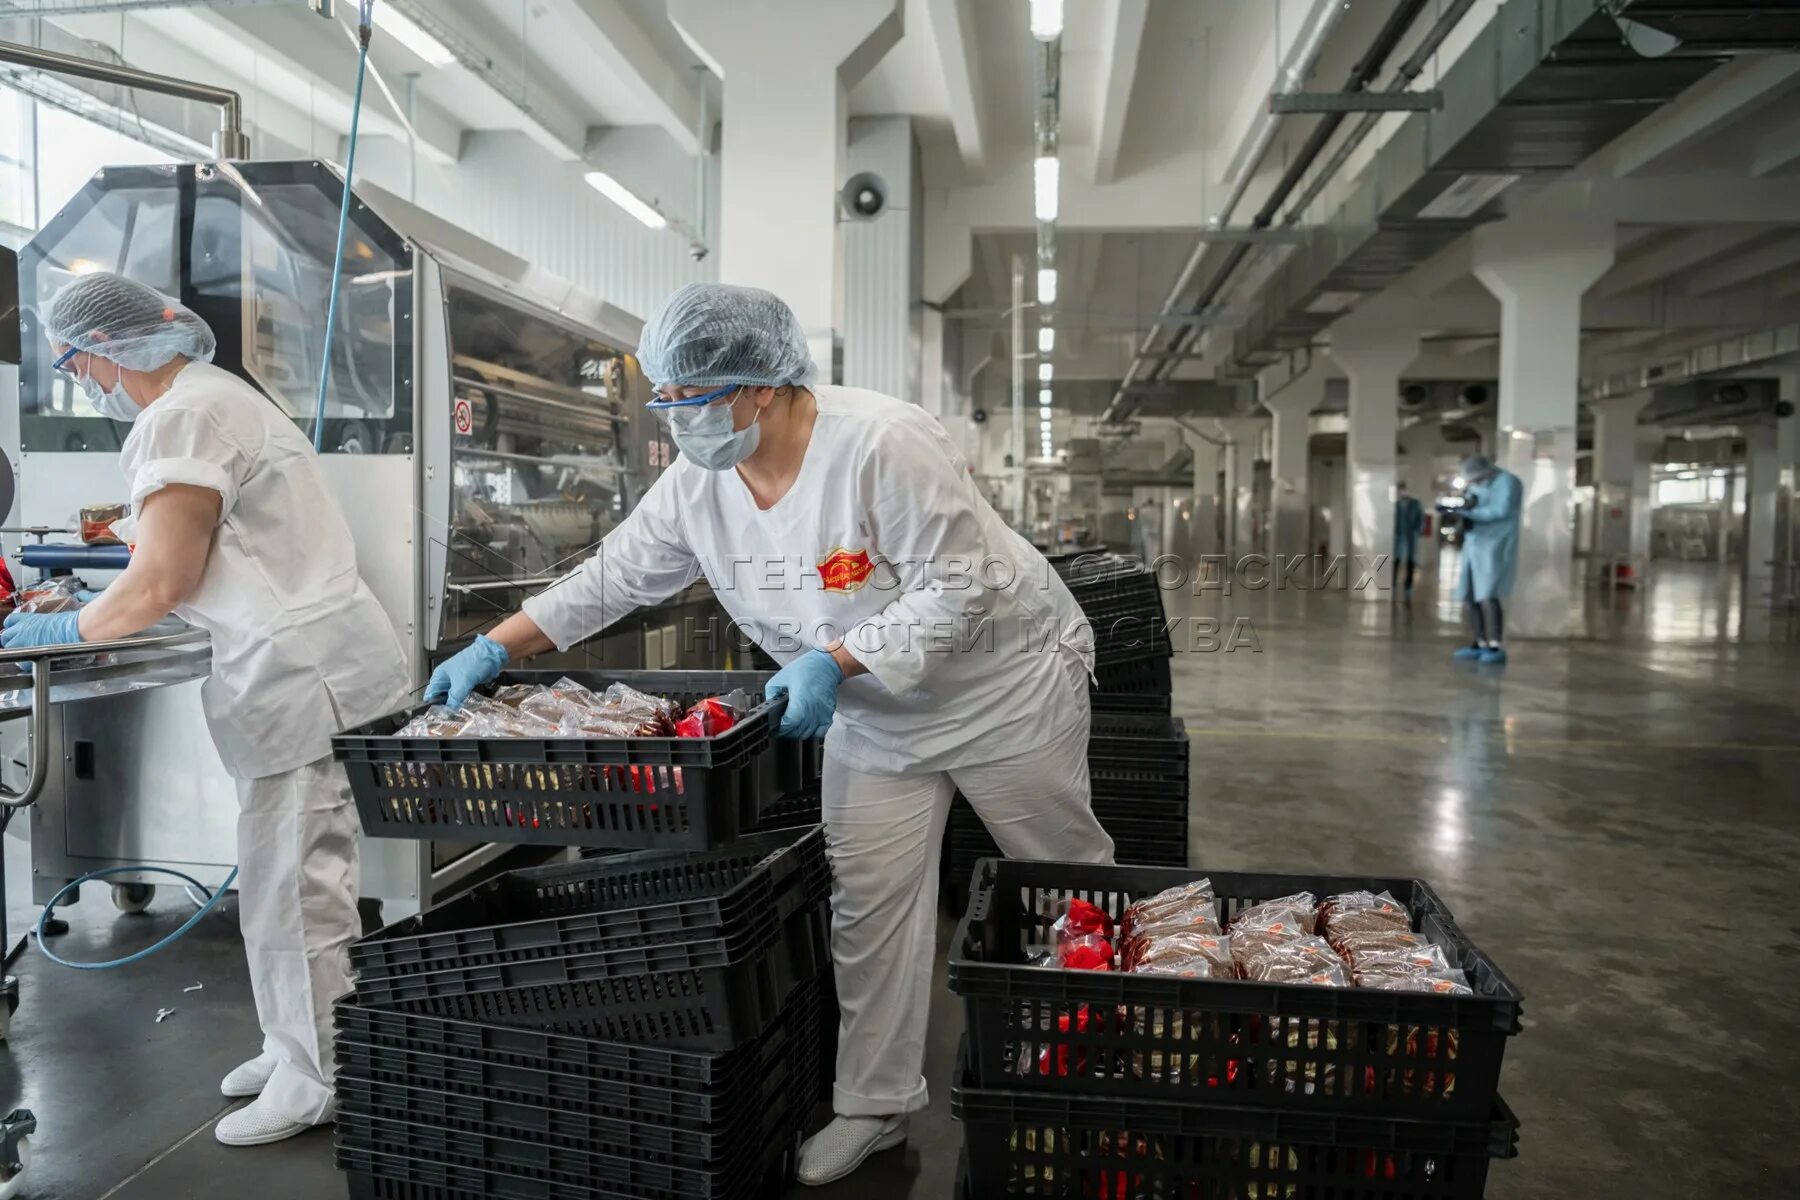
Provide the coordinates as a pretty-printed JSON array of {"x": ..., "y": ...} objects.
[
  {"x": 1490, "y": 553},
  {"x": 1409, "y": 519}
]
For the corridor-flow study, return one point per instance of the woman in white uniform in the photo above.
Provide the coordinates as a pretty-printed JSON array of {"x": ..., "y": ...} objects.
[
  {"x": 931, "y": 644},
  {"x": 233, "y": 530}
]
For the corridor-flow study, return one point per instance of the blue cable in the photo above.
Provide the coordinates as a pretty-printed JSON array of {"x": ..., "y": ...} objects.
[
  {"x": 212, "y": 899},
  {"x": 365, "y": 19}
]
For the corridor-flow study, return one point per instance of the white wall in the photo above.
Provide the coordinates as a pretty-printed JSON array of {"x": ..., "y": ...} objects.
[{"x": 510, "y": 192}]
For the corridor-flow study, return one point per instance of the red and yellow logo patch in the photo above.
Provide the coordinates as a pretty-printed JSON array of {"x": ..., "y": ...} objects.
[{"x": 845, "y": 570}]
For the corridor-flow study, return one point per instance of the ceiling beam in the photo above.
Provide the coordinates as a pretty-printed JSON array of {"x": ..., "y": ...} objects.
[
  {"x": 1700, "y": 199},
  {"x": 1121, "y": 36},
  {"x": 1778, "y": 147},
  {"x": 952, "y": 30},
  {"x": 544, "y": 116},
  {"x": 1779, "y": 255},
  {"x": 309, "y": 66},
  {"x": 624, "y": 51},
  {"x": 1702, "y": 110},
  {"x": 1685, "y": 251}
]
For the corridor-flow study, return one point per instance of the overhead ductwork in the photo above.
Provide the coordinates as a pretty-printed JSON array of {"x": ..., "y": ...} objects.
[{"x": 1543, "y": 86}]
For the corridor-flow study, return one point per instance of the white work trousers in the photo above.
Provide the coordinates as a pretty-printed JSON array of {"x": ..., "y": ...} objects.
[
  {"x": 883, "y": 834},
  {"x": 298, "y": 841}
]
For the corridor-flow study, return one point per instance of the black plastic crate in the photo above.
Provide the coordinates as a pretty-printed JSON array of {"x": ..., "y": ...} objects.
[
  {"x": 697, "y": 1092},
  {"x": 1345, "y": 1050},
  {"x": 1045, "y": 1144},
  {"x": 1138, "y": 743},
  {"x": 740, "y": 896},
  {"x": 792, "y": 811},
  {"x": 649, "y": 793},
  {"x": 1145, "y": 674},
  {"x": 1129, "y": 702},
  {"x": 402, "y": 1160},
  {"x": 693, "y": 995},
  {"x": 1107, "y": 783}
]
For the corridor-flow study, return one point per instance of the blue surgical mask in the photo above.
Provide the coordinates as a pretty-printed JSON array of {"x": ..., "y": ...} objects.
[
  {"x": 706, "y": 435},
  {"x": 115, "y": 404}
]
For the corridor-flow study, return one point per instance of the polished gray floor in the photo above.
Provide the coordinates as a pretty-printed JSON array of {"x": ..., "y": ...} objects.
[{"x": 1615, "y": 818}]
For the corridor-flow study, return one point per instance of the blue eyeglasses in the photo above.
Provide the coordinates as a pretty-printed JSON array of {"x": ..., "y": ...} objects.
[
  {"x": 662, "y": 405},
  {"x": 62, "y": 360}
]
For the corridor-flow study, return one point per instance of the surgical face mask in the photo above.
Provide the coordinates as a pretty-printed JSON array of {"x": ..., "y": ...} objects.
[
  {"x": 115, "y": 404},
  {"x": 706, "y": 435}
]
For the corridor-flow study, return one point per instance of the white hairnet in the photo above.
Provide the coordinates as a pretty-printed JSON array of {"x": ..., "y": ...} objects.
[
  {"x": 716, "y": 335},
  {"x": 126, "y": 322},
  {"x": 1476, "y": 465}
]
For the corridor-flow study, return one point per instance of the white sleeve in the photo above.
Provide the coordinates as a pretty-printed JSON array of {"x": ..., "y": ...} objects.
[
  {"x": 644, "y": 561},
  {"x": 926, "y": 518},
  {"x": 185, "y": 445}
]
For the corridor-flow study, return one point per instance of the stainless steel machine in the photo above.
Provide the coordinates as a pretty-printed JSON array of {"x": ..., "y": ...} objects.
[{"x": 481, "y": 432}]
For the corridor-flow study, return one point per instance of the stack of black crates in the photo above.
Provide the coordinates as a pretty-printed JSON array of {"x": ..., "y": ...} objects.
[
  {"x": 649, "y": 1022},
  {"x": 1075, "y": 1084},
  {"x": 1137, "y": 753}
]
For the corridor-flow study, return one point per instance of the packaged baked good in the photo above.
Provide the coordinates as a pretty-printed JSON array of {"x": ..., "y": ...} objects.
[
  {"x": 1300, "y": 909},
  {"x": 712, "y": 716},
  {"x": 51, "y": 596},
  {"x": 1305, "y": 960},
  {"x": 1428, "y": 984},
  {"x": 1353, "y": 945},
  {"x": 436, "y": 721},
  {"x": 96, "y": 523},
  {"x": 1426, "y": 961},
  {"x": 1247, "y": 945},
  {"x": 1188, "y": 954},
  {"x": 1187, "y": 900},
  {"x": 1362, "y": 912}
]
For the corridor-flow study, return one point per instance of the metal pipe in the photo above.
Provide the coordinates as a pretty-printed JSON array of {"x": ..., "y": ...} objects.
[
  {"x": 1305, "y": 56},
  {"x": 1361, "y": 75},
  {"x": 1018, "y": 391},
  {"x": 228, "y": 143}
]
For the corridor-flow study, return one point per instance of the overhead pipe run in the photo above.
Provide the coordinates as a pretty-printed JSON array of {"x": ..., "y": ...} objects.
[
  {"x": 230, "y": 142},
  {"x": 1366, "y": 70}
]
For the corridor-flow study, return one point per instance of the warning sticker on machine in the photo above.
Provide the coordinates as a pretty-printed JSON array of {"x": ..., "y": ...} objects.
[{"x": 463, "y": 416}]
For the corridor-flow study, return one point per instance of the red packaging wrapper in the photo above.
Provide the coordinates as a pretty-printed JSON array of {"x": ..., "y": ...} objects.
[
  {"x": 709, "y": 718},
  {"x": 1080, "y": 918},
  {"x": 1088, "y": 952}
]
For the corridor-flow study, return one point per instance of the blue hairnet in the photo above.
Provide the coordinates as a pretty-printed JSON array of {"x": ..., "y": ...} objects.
[
  {"x": 716, "y": 335},
  {"x": 126, "y": 322},
  {"x": 1475, "y": 466}
]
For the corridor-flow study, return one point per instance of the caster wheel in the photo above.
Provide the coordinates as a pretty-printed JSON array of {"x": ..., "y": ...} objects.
[
  {"x": 133, "y": 897},
  {"x": 10, "y": 1181}
]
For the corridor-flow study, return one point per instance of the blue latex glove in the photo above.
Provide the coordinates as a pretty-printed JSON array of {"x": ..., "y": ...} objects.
[
  {"x": 481, "y": 662},
  {"x": 810, "y": 683},
  {"x": 28, "y": 630}
]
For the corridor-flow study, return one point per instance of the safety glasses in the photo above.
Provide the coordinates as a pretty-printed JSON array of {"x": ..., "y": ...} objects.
[
  {"x": 63, "y": 360},
  {"x": 664, "y": 404}
]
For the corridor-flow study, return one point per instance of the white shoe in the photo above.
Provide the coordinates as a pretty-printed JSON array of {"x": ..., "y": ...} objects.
[
  {"x": 257, "y": 1124},
  {"x": 843, "y": 1145},
  {"x": 248, "y": 1079}
]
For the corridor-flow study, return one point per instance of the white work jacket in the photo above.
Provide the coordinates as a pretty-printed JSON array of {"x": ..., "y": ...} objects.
[
  {"x": 300, "y": 646},
  {"x": 970, "y": 639}
]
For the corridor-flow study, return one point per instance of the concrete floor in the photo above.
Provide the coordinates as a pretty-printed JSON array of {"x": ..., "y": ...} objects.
[{"x": 1616, "y": 821}]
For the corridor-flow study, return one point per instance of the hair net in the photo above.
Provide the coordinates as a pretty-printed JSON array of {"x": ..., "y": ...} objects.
[
  {"x": 126, "y": 322},
  {"x": 715, "y": 335},
  {"x": 1475, "y": 466}
]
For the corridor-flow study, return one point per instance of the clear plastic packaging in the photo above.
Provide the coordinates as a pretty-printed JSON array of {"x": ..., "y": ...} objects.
[
  {"x": 1080, "y": 918},
  {"x": 1354, "y": 946},
  {"x": 1362, "y": 912},
  {"x": 1428, "y": 984},
  {"x": 1192, "y": 955},
  {"x": 97, "y": 520},
  {"x": 53, "y": 596},
  {"x": 1186, "y": 900},
  {"x": 1421, "y": 962},
  {"x": 712, "y": 716},
  {"x": 1248, "y": 945},
  {"x": 1309, "y": 960},
  {"x": 1300, "y": 909},
  {"x": 1087, "y": 952}
]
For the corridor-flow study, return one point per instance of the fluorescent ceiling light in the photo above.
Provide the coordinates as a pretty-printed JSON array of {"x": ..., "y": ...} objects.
[
  {"x": 1044, "y": 412},
  {"x": 1044, "y": 397},
  {"x": 1044, "y": 173},
  {"x": 1045, "y": 426},
  {"x": 1046, "y": 340},
  {"x": 1045, "y": 371},
  {"x": 1047, "y": 285},
  {"x": 1046, "y": 19},
  {"x": 407, "y": 32},
  {"x": 617, "y": 192}
]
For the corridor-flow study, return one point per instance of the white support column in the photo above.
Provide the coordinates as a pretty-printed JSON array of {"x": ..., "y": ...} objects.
[
  {"x": 1373, "y": 345},
  {"x": 1289, "y": 471},
  {"x": 1208, "y": 459},
  {"x": 1538, "y": 270},
  {"x": 1245, "y": 437},
  {"x": 1616, "y": 446},
  {"x": 949, "y": 258},
  {"x": 1762, "y": 499},
  {"x": 1787, "y": 499},
  {"x": 783, "y": 156},
  {"x": 1649, "y": 448}
]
